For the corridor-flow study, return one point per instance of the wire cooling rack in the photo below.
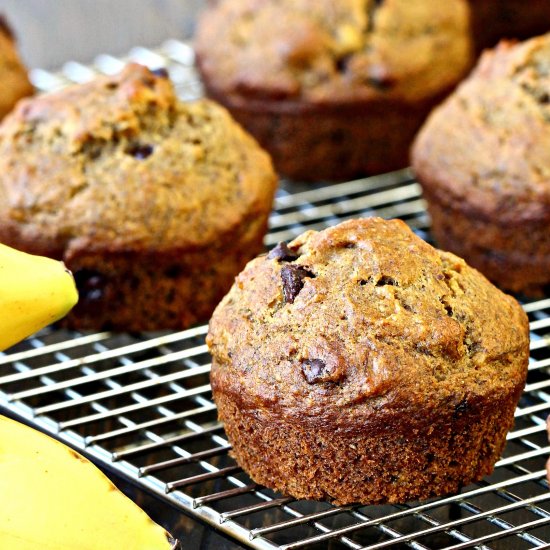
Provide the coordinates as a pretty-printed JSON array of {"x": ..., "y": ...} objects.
[{"x": 140, "y": 404}]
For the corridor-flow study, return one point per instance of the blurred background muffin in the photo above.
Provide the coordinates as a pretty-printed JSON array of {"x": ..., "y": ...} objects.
[
  {"x": 333, "y": 90},
  {"x": 153, "y": 203},
  {"x": 483, "y": 159}
]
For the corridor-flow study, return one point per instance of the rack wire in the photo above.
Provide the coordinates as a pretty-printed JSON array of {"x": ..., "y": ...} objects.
[{"x": 141, "y": 404}]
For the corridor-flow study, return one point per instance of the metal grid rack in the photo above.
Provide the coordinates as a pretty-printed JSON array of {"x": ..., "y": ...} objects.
[{"x": 140, "y": 404}]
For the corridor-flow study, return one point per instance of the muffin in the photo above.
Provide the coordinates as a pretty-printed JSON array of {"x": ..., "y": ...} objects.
[
  {"x": 13, "y": 74},
  {"x": 333, "y": 90},
  {"x": 154, "y": 204},
  {"x": 359, "y": 364},
  {"x": 483, "y": 159},
  {"x": 493, "y": 20}
]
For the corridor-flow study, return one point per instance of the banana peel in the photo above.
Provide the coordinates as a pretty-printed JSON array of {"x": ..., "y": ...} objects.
[
  {"x": 35, "y": 291},
  {"x": 52, "y": 498}
]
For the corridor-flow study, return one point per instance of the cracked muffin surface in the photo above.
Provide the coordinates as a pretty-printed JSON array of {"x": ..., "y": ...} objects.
[
  {"x": 360, "y": 364},
  {"x": 286, "y": 68},
  {"x": 138, "y": 192},
  {"x": 484, "y": 164}
]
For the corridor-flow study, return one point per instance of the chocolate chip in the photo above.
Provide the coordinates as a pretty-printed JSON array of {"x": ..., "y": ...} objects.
[
  {"x": 90, "y": 284},
  {"x": 380, "y": 84},
  {"x": 282, "y": 253},
  {"x": 293, "y": 281},
  {"x": 139, "y": 151},
  {"x": 460, "y": 407},
  {"x": 94, "y": 295},
  {"x": 342, "y": 63},
  {"x": 387, "y": 281},
  {"x": 314, "y": 370},
  {"x": 173, "y": 271},
  {"x": 160, "y": 72}
]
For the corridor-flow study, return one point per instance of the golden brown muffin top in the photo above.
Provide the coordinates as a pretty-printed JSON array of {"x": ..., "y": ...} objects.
[
  {"x": 13, "y": 74},
  {"x": 321, "y": 50},
  {"x": 364, "y": 314},
  {"x": 121, "y": 164},
  {"x": 488, "y": 144}
]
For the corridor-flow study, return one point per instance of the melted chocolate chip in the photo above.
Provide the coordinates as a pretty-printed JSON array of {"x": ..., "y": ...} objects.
[
  {"x": 386, "y": 281},
  {"x": 139, "y": 151},
  {"x": 314, "y": 370},
  {"x": 282, "y": 253},
  {"x": 90, "y": 284},
  {"x": 380, "y": 84},
  {"x": 174, "y": 271},
  {"x": 460, "y": 407},
  {"x": 342, "y": 63},
  {"x": 160, "y": 72},
  {"x": 448, "y": 309},
  {"x": 293, "y": 281}
]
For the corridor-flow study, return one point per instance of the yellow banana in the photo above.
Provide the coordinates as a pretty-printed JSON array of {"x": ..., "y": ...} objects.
[
  {"x": 34, "y": 292},
  {"x": 52, "y": 498}
]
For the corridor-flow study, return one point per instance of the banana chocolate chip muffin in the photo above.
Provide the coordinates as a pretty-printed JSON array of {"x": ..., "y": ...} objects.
[
  {"x": 13, "y": 74},
  {"x": 333, "y": 89},
  {"x": 359, "y": 364},
  {"x": 154, "y": 204},
  {"x": 483, "y": 159}
]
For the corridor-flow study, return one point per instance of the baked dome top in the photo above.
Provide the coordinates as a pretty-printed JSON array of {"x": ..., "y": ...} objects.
[
  {"x": 120, "y": 163},
  {"x": 321, "y": 50},
  {"x": 488, "y": 144},
  {"x": 362, "y": 315}
]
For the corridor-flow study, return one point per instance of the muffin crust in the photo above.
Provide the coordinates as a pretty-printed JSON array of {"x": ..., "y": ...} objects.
[
  {"x": 333, "y": 90},
  {"x": 484, "y": 164}
]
